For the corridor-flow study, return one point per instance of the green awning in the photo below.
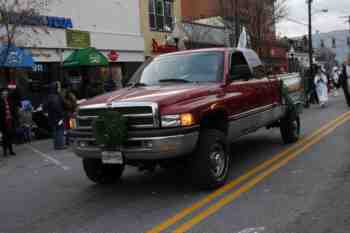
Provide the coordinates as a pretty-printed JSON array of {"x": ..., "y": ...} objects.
[{"x": 86, "y": 57}]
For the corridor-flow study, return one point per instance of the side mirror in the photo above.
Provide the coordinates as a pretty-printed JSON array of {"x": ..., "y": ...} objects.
[{"x": 228, "y": 78}]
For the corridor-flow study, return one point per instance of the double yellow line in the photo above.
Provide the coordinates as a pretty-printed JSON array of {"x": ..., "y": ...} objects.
[{"x": 265, "y": 169}]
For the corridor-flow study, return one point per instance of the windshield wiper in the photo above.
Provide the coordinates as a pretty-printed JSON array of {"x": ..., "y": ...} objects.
[
  {"x": 174, "y": 80},
  {"x": 134, "y": 85}
]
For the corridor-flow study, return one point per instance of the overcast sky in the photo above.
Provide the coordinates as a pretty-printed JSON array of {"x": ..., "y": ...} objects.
[{"x": 324, "y": 22}]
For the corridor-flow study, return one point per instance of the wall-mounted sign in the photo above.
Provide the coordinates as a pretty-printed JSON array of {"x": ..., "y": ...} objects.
[
  {"x": 40, "y": 67},
  {"x": 40, "y": 20},
  {"x": 78, "y": 39},
  {"x": 113, "y": 55}
]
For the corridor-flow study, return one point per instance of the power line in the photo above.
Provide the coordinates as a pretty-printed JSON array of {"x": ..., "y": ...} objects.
[
  {"x": 306, "y": 25},
  {"x": 297, "y": 22}
]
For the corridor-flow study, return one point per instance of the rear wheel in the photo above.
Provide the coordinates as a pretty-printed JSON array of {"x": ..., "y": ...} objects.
[
  {"x": 211, "y": 161},
  {"x": 290, "y": 129},
  {"x": 101, "y": 173}
]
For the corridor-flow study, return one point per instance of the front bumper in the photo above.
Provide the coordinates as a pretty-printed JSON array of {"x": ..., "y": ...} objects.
[{"x": 144, "y": 145}]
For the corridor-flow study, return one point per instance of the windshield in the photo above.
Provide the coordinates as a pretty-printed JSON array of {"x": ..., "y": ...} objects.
[{"x": 184, "y": 68}]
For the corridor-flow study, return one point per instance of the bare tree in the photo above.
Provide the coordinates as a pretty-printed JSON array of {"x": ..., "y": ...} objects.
[
  {"x": 16, "y": 19},
  {"x": 231, "y": 17},
  {"x": 258, "y": 16}
]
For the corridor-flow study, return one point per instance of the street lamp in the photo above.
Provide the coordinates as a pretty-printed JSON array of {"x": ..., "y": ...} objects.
[{"x": 309, "y": 2}]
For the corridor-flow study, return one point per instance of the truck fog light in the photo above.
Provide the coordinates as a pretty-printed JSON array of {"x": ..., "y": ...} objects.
[{"x": 168, "y": 147}]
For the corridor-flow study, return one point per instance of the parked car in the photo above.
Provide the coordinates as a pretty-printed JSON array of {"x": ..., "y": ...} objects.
[{"x": 188, "y": 106}]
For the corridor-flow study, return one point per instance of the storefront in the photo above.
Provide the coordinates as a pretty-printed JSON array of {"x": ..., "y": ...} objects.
[{"x": 71, "y": 27}]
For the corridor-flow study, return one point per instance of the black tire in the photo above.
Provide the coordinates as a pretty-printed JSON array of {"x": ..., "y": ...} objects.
[
  {"x": 208, "y": 172},
  {"x": 346, "y": 87},
  {"x": 101, "y": 173},
  {"x": 290, "y": 129}
]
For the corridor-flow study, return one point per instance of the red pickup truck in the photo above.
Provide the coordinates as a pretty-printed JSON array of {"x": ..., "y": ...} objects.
[{"x": 186, "y": 107}]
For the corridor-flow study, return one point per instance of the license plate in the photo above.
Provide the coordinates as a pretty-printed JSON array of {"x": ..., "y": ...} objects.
[{"x": 112, "y": 157}]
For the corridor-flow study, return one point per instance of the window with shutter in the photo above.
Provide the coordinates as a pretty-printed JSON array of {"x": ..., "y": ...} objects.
[
  {"x": 161, "y": 16},
  {"x": 168, "y": 16},
  {"x": 152, "y": 14}
]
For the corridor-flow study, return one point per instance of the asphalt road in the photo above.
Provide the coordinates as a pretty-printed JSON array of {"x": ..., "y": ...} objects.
[{"x": 273, "y": 188}]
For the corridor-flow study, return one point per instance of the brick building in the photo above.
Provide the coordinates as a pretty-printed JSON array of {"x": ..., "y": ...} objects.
[{"x": 200, "y": 8}]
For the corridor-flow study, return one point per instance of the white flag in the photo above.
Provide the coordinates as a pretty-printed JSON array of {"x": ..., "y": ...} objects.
[{"x": 243, "y": 40}]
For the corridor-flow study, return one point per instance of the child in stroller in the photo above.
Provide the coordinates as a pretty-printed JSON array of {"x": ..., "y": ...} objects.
[{"x": 26, "y": 121}]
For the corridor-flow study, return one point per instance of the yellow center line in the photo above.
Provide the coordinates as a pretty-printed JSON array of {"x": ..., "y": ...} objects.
[
  {"x": 201, "y": 203},
  {"x": 253, "y": 182}
]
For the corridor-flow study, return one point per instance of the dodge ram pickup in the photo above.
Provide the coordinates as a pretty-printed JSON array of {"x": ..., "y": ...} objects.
[{"x": 186, "y": 107}]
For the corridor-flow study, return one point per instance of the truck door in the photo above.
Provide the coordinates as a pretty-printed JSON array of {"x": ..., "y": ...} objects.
[{"x": 245, "y": 94}]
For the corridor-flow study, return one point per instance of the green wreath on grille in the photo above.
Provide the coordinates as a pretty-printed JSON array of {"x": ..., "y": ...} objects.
[{"x": 110, "y": 130}]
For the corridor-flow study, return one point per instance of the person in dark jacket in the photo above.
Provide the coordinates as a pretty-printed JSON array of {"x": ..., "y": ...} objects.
[
  {"x": 109, "y": 85},
  {"x": 8, "y": 121},
  {"x": 344, "y": 80},
  {"x": 70, "y": 107},
  {"x": 311, "y": 95},
  {"x": 56, "y": 114}
]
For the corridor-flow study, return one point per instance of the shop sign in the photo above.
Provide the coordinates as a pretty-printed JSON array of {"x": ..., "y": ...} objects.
[
  {"x": 40, "y": 67},
  {"x": 78, "y": 39},
  {"x": 40, "y": 20},
  {"x": 113, "y": 55}
]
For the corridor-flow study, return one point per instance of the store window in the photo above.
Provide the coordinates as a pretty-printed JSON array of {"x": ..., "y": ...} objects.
[{"x": 161, "y": 15}]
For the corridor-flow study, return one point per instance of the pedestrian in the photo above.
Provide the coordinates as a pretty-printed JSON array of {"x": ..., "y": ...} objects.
[
  {"x": 320, "y": 82},
  {"x": 311, "y": 95},
  {"x": 55, "y": 110},
  {"x": 335, "y": 80},
  {"x": 344, "y": 79},
  {"x": 70, "y": 107},
  {"x": 8, "y": 121},
  {"x": 26, "y": 120},
  {"x": 109, "y": 85}
]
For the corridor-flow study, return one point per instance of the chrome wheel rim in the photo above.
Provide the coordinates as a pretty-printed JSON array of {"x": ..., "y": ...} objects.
[
  {"x": 218, "y": 161},
  {"x": 295, "y": 126}
]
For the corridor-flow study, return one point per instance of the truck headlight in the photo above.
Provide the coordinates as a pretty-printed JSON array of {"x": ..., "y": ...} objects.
[{"x": 179, "y": 120}]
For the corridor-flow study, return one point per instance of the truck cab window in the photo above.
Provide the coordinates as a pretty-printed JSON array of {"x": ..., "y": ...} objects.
[{"x": 239, "y": 69}]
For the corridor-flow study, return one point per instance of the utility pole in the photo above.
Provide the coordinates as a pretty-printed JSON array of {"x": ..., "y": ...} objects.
[
  {"x": 349, "y": 44},
  {"x": 309, "y": 2},
  {"x": 237, "y": 22}
]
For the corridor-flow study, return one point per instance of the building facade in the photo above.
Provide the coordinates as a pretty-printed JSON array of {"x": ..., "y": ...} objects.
[
  {"x": 158, "y": 19},
  {"x": 196, "y": 9},
  {"x": 112, "y": 27}
]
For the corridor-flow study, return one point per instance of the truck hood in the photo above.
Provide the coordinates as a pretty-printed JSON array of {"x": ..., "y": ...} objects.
[{"x": 163, "y": 95}]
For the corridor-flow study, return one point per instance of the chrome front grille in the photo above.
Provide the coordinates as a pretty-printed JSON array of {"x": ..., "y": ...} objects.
[{"x": 139, "y": 115}]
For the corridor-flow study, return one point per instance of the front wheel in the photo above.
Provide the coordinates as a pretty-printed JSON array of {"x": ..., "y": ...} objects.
[
  {"x": 290, "y": 129},
  {"x": 101, "y": 173},
  {"x": 211, "y": 161}
]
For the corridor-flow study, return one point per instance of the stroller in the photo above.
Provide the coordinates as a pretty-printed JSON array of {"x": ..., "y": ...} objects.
[{"x": 26, "y": 125}]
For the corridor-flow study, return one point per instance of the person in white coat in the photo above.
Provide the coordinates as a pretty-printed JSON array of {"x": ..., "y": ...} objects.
[{"x": 321, "y": 87}]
